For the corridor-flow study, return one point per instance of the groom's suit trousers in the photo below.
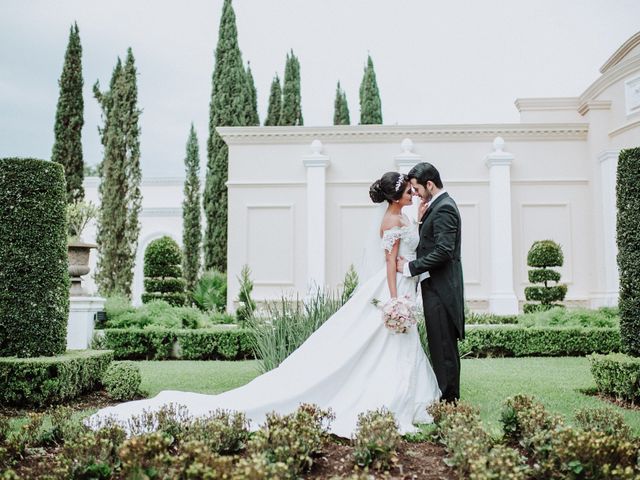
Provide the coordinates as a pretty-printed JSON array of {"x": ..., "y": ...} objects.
[{"x": 442, "y": 337}]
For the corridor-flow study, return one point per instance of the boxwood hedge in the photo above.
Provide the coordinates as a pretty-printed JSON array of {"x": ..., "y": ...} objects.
[{"x": 34, "y": 279}]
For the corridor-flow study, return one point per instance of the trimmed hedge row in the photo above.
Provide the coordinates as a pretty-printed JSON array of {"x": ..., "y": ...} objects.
[
  {"x": 617, "y": 375},
  {"x": 34, "y": 279},
  {"x": 46, "y": 380},
  {"x": 163, "y": 344},
  {"x": 512, "y": 341}
]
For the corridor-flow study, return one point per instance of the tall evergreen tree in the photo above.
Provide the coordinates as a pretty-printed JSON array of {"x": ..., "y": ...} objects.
[
  {"x": 191, "y": 230},
  {"x": 252, "y": 118},
  {"x": 340, "y": 108},
  {"x": 67, "y": 148},
  {"x": 227, "y": 108},
  {"x": 370, "y": 105},
  {"x": 275, "y": 103},
  {"x": 120, "y": 197},
  {"x": 291, "y": 99}
]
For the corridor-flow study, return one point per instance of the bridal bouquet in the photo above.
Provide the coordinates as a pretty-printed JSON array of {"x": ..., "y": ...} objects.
[{"x": 398, "y": 314}]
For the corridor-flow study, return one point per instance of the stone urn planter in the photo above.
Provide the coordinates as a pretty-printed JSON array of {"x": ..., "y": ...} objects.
[{"x": 78, "y": 255}]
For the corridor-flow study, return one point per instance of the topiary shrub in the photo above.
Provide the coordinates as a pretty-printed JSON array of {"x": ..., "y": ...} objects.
[
  {"x": 34, "y": 279},
  {"x": 163, "y": 272},
  {"x": 542, "y": 255},
  {"x": 122, "y": 380},
  {"x": 628, "y": 239}
]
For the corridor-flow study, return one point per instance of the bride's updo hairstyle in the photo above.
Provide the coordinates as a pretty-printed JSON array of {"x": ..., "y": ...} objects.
[{"x": 390, "y": 187}]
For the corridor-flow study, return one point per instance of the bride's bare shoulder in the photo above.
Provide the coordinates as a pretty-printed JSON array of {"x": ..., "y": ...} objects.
[{"x": 390, "y": 221}]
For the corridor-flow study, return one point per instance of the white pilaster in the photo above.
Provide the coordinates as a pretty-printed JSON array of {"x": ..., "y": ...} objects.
[
  {"x": 81, "y": 321},
  {"x": 502, "y": 299},
  {"x": 608, "y": 170},
  {"x": 316, "y": 165}
]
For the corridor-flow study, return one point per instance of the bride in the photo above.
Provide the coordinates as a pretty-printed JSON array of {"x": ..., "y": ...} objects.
[{"x": 352, "y": 363}]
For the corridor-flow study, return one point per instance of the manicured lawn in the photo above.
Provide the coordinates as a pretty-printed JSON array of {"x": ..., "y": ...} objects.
[{"x": 485, "y": 382}]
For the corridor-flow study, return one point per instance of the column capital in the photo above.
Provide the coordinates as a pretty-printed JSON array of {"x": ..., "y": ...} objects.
[
  {"x": 499, "y": 157},
  {"x": 316, "y": 158}
]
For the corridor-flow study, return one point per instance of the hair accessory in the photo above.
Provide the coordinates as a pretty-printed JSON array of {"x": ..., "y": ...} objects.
[{"x": 399, "y": 182}]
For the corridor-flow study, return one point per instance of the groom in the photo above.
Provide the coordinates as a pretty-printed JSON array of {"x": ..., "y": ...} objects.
[{"x": 438, "y": 264}]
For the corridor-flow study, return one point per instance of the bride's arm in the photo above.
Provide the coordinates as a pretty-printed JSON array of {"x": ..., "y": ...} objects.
[{"x": 391, "y": 258}]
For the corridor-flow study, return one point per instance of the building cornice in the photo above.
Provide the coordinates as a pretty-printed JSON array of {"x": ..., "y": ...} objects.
[
  {"x": 393, "y": 133},
  {"x": 547, "y": 103},
  {"x": 624, "y": 128},
  {"x": 594, "y": 105},
  {"x": 622, "y": 52},
  {"x": 609, "y": 77}
]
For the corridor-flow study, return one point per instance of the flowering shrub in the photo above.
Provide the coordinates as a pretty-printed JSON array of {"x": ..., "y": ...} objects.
[
  {"x": 293, "y": 439},
  {"x": 603, "y": 420},
  {"x": 222, "y": 431},
  {"x": 376, "y": 439}
]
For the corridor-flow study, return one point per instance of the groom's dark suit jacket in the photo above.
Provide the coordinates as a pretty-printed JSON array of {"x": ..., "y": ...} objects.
[{"x": 439, "y": 254}]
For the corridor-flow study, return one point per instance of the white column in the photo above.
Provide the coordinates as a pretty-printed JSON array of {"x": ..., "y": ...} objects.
[
  {"x": 502, "y": 299},
  {"x": 608, "y": 170},
  {"x": 405, "y": 161},
  {"x": 81, "y": 322},
  {"x": 316, "y": 165}
]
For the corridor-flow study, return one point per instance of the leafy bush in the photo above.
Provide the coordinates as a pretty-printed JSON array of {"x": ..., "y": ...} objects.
[
  {"x": 144, "y": 456},
  {"x": 222, "y": 431},
  {"x": 288, "y": 324},
  {"x": 376, "y": 439},
  {"x": 293, "y": 439},
  {"x": 210, "y": 292},
  {"x": 246, "y": 305},
  {"x": 122, "y": 380},
  {"x": 158, "y": 314},
  {"x": 516, "y": 341},
  {"x": 34, "y": 279},
  {"x": 604, "y": 420},
  {"x": 564, "y": 317},
  {"x": 542, "y": 255},
  {"x": 618, "y": 375},
  {"x": 47, "y": 380},
  {"x": 161, "y": 344},
  {"x": 163, "y": 272},
  {"x": 117, "y": 305},
  {"x": 628, "y": 240}
]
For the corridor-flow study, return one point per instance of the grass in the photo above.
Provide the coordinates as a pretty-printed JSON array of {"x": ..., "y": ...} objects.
[{"x": 486, "y": 383}]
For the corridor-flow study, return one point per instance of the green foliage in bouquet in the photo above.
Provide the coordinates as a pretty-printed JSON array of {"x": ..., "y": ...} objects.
[{"x": 542, "y": 255}]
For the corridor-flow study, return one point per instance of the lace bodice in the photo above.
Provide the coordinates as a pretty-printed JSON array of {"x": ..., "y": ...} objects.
[{"x": 409, "y": 239}]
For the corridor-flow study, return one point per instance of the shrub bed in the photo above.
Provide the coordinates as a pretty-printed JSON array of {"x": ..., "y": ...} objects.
[
  {"x": 515, "y": 341},
  {"x": 34, "y": 282},
  {"x": 46, "y": 380},
  {"x": 617, "y": 375},
  {"x": 163, "y": 344}
]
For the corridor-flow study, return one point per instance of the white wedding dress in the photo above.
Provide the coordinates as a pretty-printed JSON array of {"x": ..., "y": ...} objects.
[{"x": 351, "y": 364}]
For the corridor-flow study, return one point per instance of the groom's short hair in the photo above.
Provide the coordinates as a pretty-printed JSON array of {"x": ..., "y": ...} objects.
[{"x": 423, "y": 172}]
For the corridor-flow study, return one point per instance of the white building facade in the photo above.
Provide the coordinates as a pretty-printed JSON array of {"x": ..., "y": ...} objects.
[{"x": 299, "y": 204}]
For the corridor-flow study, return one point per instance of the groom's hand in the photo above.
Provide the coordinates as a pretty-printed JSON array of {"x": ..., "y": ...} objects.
[{"x": 400, "y": 262}]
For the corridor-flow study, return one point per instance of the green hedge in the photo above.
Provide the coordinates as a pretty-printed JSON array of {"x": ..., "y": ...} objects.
[
  {"x": 163, "y": 344},
  {"x": 513, "y": 341},
  {"x": 628, "y": 239},
  {"x": 46, "y": 380},
  {"x": 163, "y": 272},
  {"x": 34, "y": 279},
  {"x": 617, "y": 374}
]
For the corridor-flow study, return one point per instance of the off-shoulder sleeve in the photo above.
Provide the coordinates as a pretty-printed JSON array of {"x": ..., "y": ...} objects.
[{"x": 390, "y": 237}]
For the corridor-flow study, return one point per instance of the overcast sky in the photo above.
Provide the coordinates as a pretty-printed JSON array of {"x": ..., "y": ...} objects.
[{"x": 436, "y": 62}]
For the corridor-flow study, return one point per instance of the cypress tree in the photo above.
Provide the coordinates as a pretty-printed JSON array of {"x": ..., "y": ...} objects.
[
  {"x": 370, "y": 105},
  {"x": 275, "y": 103},
  {"x": 227, "y": 108},
  {"x": 252, "y": 118},
  {"x": 120, "y": 197},
  {"x": 291, "y": 100},
  {"x": 191, "y": 230},
  {"x": 67, "y": 148},
  {"x": 340, "y": 108}
]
